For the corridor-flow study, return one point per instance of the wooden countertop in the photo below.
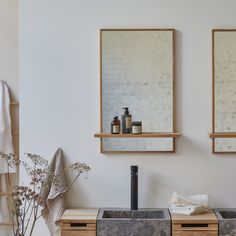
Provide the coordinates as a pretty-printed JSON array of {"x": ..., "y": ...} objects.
[
  {"x": 80, "y": 215},
  {"x": 201, "y": 218}
]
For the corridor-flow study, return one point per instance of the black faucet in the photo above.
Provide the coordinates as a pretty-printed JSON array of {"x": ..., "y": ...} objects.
[{"x": 134, "y": 187}]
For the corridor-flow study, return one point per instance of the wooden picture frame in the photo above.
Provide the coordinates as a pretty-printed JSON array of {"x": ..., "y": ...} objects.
[
  {"x": 223, "y": 136},
  {"x": 171, "y": 133}
]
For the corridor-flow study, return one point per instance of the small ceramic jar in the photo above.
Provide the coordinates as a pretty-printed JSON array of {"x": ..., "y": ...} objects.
[{"x": 136, "y": 127}]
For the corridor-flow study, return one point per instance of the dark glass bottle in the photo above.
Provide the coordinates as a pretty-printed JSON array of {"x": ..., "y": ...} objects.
[
  {"x": 115, "y": 125},
  {"x": 126, "y": 121}
]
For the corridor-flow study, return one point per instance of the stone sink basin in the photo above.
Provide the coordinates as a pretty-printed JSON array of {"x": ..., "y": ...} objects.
[
  {"x": 228, "y": 214},
  {"x": 124, "y": 222},
  {"x": 227, "y": 221}
]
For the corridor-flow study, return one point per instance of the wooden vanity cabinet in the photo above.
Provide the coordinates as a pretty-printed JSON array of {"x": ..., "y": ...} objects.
[
  {"x": 197, "y": 225},
  {"x": 79, "y": 222}
]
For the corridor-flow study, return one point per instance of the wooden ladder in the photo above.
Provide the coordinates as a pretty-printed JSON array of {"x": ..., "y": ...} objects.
[{"x": 7, "y": 194}]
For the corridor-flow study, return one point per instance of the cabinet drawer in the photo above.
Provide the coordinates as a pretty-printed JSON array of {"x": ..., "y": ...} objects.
[
  {"x": 78, "y": 227},
  {"x": 195, "y": 233},
  {"x": 195, "y": 229},
  {"x": 79, "y": 222},
  {"x": 78, "y": 233}
]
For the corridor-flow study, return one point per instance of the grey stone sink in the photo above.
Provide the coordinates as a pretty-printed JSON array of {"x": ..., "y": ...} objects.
[
  {"x": 142, "y": 214},
  {"x": 228, "y": 214},
  {"x": 227, "y": 221},
  {"x": 124, "y": 222}
]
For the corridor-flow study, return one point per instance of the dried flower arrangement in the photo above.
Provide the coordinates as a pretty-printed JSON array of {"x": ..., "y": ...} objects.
[{"x": 26, "y": 201}]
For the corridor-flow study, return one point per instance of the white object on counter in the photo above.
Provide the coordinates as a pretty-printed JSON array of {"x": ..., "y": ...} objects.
[{"x": 191, "y": 205}]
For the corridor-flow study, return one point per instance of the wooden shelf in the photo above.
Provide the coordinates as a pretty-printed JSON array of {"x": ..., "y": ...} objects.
[
  {"x": 223, "y": 135},
  {"x": 4, "y": 193},
  {"x": 143, "y": 135}
]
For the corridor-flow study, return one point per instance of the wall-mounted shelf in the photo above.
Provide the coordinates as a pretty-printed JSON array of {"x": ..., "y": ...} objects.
[
  {"x": 223, "y": 135},
  {"x": 143, "y": 135}
]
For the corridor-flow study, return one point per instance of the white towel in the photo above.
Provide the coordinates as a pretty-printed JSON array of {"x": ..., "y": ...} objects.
[
  {"x": 6, "y": 145},
  {"x": 188, "y": 210},
  {"x": 191, "y": 205}
]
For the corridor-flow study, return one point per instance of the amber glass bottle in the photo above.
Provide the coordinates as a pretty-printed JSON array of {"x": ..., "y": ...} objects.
[{"x": 115, "y": 125}]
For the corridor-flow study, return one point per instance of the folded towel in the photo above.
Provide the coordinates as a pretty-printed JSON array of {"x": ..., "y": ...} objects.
[
  {"x": 53, "y": 195},
  {"x": 188, "y": 209},
  {"x": 199, "y": 199},
  {"x": 189, "y": 205}
]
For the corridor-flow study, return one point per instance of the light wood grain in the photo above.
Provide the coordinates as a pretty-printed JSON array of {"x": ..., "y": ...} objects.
[
  {"x": 15, "y": 103},
  {"x": 200, "y": 219},
  {"x": 79, "y": 216},
  {"x": 197, "y": 225},
  {"x": 143, "y": 135},
  {"x": 80, "y": 233},
  {"x": 198, "y": 233},
  {"x": 81, "y": 212},
  {"x": 79, "y": 222},
  {"x": 82, "y": 226},
  {"x": 4, "y": 193},
  {"x": 5, "y": 224},
  {"x": 223, "y": 135},
  {"x": 213, "y": 89}
]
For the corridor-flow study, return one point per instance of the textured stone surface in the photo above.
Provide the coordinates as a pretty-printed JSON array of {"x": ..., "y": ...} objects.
[
  {"x": 227, "y": 221},
  {"x": 123, "y": 222}
]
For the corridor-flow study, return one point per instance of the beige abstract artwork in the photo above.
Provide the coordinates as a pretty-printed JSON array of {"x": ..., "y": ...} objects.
[{"x": 225, "y": 88}]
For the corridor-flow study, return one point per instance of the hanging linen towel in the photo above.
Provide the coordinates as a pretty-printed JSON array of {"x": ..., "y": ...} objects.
[
  {"x": 6, "y": 145},
  {"x": 191, "y": 205},
  {"x": 53, "y": 195}
]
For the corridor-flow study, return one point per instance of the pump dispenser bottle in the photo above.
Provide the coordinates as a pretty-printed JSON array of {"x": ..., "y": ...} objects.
[{"x": 126, "y": 121}]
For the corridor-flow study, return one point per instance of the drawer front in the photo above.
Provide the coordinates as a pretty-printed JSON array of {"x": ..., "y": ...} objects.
[
  {"x": 78, "y": 233},
  {"x": 194, "y": 227},
  {"x": 195, "y": 233},
  {"x": 78, "y": 227}
]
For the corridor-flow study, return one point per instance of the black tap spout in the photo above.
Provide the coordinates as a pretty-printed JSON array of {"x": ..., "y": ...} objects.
[{"x": 134, "y": 187}]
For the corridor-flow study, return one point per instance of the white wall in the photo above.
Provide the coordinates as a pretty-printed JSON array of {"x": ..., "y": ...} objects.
[
  {"x": 59, "y": 81},
  {"x": 9, "y": 44},
  {"x": 9, "y": 63}
]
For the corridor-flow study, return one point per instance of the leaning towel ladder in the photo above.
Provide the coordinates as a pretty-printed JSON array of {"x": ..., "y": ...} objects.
[{"x": 15, "y": 135}]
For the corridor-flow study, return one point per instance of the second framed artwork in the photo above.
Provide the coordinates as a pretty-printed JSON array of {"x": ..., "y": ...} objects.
[{"x": 224, "y": 91}]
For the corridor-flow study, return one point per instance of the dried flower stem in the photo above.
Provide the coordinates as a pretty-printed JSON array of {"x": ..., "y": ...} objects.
[{"x": 27, "y": 200}]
